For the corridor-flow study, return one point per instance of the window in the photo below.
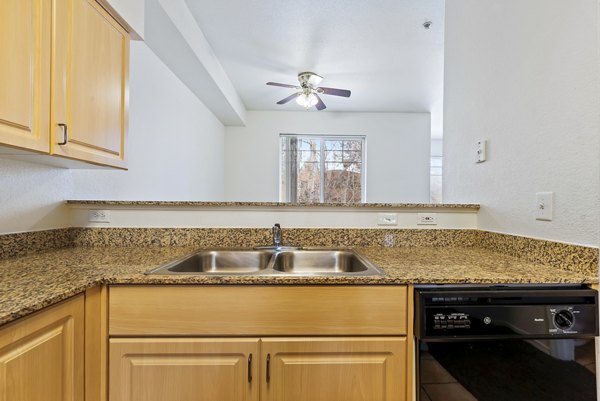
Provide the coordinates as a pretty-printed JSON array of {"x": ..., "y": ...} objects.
[{"x": 326, "y": 169}]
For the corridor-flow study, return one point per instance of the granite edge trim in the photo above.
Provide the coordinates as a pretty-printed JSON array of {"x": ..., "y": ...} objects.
[{"x": 470, "y": 206}]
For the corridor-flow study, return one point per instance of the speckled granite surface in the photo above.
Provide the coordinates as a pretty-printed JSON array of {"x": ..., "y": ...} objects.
[
  {"x": 249, "y": 237},
  {"x": 274, "y": 204},
  {"x": 20, "y": 244},
  {"x": 32, "y": 282}
]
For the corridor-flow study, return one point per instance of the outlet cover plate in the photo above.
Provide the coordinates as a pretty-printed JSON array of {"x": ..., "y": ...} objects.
[
  {"x": 387, "y": 219},
  {"x": 99, "y": 216},
  {"x": 427, "y": 219}
]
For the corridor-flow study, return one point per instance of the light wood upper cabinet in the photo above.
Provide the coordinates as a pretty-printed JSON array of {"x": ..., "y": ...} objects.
[
  {"x": 41, "y": 357},
  {"x": 184, "y": 369},
  {"x": 25, "y": 46},
  {"x": 334, "y": 369},
  {"x": 90, "y": 84}
]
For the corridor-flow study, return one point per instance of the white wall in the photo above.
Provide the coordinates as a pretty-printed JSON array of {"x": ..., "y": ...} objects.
[
  {"x": 31, "y": 197},
  {"x": 175, "y": 144},
  {"x": 175, "y": 152},
  {"x": 524, "y": 75},
  {"x": 398, "y": 148}
]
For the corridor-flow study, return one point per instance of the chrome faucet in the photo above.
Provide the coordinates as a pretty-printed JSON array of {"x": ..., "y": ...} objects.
[{"x": 277, "y": 236}]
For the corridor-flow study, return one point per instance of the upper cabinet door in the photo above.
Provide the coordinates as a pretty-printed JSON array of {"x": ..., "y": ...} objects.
[
  {"x": 25, "y": 44},
  {"x": 90, "y": 84}
]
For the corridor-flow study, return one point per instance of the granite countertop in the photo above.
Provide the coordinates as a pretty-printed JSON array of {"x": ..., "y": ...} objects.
[
  {"x": 201, "y": 204},
  {"x": 30, "y": 283}
]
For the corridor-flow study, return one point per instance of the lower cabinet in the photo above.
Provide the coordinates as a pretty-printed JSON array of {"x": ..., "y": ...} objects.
[
  {"x": 267, "y": 343},
  {"x": 333, "y": 369},
  {"x": 170, "y": 369},
  {"x": 283, "y": 369},
  {"x": 42, "y": 356}
]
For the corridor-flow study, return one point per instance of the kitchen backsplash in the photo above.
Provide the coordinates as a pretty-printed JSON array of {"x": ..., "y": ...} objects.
[{"x": 557, "y": 254}]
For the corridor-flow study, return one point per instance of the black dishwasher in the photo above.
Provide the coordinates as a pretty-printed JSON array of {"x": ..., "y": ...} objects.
[{"x": 506, "y": 343}]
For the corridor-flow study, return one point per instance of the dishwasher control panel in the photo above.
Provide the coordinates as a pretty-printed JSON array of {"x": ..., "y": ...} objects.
[{"x": 506, "y": 313}]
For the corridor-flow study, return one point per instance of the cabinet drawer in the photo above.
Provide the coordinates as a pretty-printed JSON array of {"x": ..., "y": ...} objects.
[{"x": 257, "y": 310}]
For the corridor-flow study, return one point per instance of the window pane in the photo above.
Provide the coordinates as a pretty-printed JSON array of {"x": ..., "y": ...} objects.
[
  {"x": 352, "y": 145},
  {"x": 342, "y": 186},
  {"x": 352, "y": 156},
  {"x": 333, "y": 145},
  {"x": 309, "y": 183},
  {"x": 341, "y": 169}
]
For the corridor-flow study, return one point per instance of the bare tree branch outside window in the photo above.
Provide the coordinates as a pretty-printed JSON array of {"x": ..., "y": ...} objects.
[{"x": 322, "y": 169}]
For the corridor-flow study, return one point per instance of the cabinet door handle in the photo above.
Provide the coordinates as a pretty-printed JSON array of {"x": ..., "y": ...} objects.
[
  {"x": 250, "y": 368},
  {"x": 268, "y": 368},
  {"x": 65, "y": 132}
]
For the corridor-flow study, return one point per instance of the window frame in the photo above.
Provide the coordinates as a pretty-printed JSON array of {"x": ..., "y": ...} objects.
[{"x": 284, "y": 192}]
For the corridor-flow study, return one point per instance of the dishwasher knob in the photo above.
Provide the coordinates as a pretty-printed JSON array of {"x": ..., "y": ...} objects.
[{"x": 563, "y": 319}]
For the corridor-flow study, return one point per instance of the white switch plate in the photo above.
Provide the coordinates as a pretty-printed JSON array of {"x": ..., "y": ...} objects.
[
  {"x": 99, "y": 216},
  {"x": 387, "y": 219},
  {"x": 480, "y": 150},
  {"x": 544, "y": 204},
  {"x": 427, "y": 219}
]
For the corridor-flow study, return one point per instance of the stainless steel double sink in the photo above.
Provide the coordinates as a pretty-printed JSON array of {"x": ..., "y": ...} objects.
[{"x": 306, "y": 262}]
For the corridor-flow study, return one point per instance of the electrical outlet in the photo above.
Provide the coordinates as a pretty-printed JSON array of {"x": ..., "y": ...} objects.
[
  {"x": 427, "y": 219},
  {"x": 387, "y": 219},
  {"x": 99, "y": 216}
]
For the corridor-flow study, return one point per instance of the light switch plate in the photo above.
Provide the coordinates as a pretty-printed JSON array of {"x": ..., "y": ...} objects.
[
  {"x": 480, "y": 150},
  {"x": 544, "y": 202}
]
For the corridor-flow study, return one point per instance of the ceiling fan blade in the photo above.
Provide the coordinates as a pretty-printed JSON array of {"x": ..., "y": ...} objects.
[
  {"x": 283, "y": 85},
  {"x": 320, "y": 105},
  {"x": 290, "y": 97},
  {"x": 336, "y": 92}
]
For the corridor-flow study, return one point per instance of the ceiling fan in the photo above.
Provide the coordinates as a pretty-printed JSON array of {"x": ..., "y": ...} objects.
[{"x": 308, "y": 91}]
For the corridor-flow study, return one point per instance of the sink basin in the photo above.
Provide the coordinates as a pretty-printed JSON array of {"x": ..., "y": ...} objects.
[
  {"x": 336, "y": 262},
  {"x": 219, "y": 262},
  {"x": 319, "y": 261}
]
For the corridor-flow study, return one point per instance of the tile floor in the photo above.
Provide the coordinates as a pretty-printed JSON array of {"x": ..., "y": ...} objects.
[{"x": 440, "y": 385}]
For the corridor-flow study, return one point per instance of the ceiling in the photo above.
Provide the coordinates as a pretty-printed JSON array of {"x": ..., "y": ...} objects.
[{"x": 379, "y": 49}]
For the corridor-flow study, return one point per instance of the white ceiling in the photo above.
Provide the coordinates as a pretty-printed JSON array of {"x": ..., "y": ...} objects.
[{"x": 376, "y": 48}]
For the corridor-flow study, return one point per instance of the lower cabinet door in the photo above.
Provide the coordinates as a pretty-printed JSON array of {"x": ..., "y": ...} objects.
[
  {"x": 334, "y": 369},
  {"x": 41, "y": 357},
  {"x": 183, "y": 369}
]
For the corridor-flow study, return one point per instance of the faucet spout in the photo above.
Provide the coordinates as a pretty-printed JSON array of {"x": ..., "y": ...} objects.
[{"x": 277, "y": 235}]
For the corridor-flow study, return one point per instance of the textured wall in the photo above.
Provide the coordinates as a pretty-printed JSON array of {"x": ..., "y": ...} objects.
[
  {"x": 175, "y": 146},
  {"x": 31, "y": 196},
  {"x": 524, "y": 75},
  {"x": 398, "y": 149}
]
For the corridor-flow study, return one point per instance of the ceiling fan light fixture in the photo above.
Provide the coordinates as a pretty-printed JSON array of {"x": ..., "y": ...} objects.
[
  {"x": 307, "y": 100},
  {"x": 308, "y": 93}
]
